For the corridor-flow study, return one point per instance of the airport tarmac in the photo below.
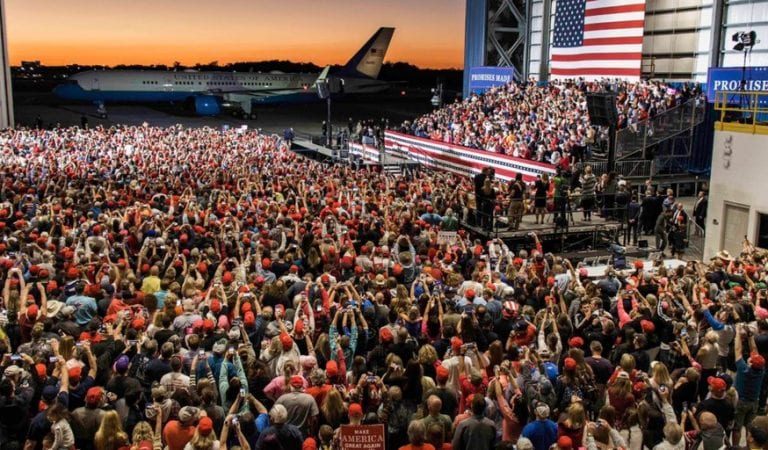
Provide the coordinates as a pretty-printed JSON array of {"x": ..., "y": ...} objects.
[{"x": 304, "y": 118}]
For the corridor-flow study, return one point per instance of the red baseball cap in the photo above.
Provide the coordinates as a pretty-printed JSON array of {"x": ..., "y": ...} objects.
[
  {"x": 74, "y": 373},
  {"x": 385, "y": 335},
  {"x": 716, "y": 384},
  {"x": 569, "y": 364},
  {"x": 647, "y": 326},
  {"x": 205, "y": 426},
  {"x": 331, "y": 369},
  {"x": 286, "y": 341},
  {"x": 297, "y": 381},
  {"x": 355, "y": 409},
  {"x": 756, "y": 361},
  {"x": 42, "y": 370},
  {"x": 564, "y": 443},
  {"x": 93, "y": 396}
]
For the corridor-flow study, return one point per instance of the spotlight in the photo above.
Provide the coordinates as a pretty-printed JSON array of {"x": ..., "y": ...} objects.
[{"x": 744, "y": 40}]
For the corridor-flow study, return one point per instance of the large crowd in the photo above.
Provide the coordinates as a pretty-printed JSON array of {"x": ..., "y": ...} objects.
[
  {"x": 544, "y": 122},
  {"x": 195, "y": 289}
]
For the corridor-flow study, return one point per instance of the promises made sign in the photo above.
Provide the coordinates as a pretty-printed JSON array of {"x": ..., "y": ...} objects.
[{"x": 484, "y": 78}]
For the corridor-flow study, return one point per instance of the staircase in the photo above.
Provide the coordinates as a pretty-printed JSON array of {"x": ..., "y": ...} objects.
[{"x": 659, "y": 145}]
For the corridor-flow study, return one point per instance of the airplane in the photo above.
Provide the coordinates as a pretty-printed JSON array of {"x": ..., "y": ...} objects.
[{"x": 209, "y": 92}]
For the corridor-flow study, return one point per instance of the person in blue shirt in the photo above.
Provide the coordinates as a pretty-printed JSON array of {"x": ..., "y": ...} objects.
[
  {"x": 85, "y": 307},
  {"x": 749, "y": 379},
  {"x": 543, "y": 431}
]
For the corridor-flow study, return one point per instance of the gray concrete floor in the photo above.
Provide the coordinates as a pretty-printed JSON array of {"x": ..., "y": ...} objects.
[{"x": 304, "y": 118}]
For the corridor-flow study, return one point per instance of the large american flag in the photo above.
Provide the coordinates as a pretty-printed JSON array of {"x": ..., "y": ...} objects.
[{"x": 598, "y": 38}]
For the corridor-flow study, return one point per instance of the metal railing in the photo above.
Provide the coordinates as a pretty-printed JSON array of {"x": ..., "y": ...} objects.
[
  {"x": 695, "y": 240},
  {"x": 635, "y": 168},
  {"x": 641, "y": 135},
  {"x": 749, "y": 107}
]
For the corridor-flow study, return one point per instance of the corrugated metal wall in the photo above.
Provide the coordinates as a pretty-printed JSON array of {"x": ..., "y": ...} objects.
[{"x": 676, "y": 45}]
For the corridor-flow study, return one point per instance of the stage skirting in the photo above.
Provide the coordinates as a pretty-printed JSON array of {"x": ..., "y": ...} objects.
[{"x": 461, "y": 160}]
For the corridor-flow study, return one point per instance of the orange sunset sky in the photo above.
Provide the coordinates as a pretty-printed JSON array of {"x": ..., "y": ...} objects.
[{"x": 429, "y": 33}]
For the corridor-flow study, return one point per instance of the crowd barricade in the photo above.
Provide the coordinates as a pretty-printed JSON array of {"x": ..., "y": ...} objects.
[{"x": 462, "y": 160}]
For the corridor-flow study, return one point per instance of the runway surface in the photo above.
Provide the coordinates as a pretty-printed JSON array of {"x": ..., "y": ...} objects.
[{"x": 304, "y": 118}]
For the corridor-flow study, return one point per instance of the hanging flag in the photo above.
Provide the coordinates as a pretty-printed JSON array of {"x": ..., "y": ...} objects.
[{"x": 596, "y": 39}]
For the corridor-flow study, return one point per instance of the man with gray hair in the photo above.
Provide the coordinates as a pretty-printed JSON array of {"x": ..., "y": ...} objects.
[
  {"x": 280, "y": 433},
  {"x": 524, "y": 444},
  {"x": 301, "y": 407},
  {"x": 417, "y": 434},
  {"x": 542, "y": 432},
  {"x": 188, "y": 318},
  {"x": 434, "y": 405}
]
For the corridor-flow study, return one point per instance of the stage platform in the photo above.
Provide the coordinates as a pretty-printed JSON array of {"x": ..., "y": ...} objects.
[{"x": 579, "y": 235}]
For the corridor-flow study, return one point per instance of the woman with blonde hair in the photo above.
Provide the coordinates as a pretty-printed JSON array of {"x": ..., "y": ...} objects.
[
  {"x": 67, "y": 350},
  {"x": 707, "y": 356},
  {"x": 204, "y": 437},
  {"x": 332, "y": 411},
  {"x": 574, "y": 423},
  {"x": 110, "y": 435},
  {"x": 322, "y": 350},
  {"x": 627, "y": 364},
  {"x": 142, "y": 432},
  {"x": 619, "y": 396},
  {"x": 279, "y": 385},
  {"x": 660, "y": 376},
  {"x": 67, "y": 347},
  {"x": 427, "y": 359}
]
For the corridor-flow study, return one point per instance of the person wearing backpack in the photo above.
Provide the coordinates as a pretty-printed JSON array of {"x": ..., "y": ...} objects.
[{"x": 139, "y": 364}]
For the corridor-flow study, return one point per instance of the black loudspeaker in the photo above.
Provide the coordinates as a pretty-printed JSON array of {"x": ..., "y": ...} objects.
[
  {"x": 602, "y": 109},
  {"x": 642, "y": 243}
]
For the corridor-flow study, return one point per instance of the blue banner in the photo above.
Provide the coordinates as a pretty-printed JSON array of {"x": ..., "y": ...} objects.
[
  {"x": 484, "y": 78},
  {"x": 730, "y": 78}
]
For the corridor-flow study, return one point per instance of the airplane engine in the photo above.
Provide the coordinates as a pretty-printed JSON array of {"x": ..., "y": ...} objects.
[{"x": 207, "y": 105}]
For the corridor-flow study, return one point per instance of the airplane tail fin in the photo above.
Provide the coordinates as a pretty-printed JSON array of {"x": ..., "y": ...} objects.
[
  {"x": 368, "y": 60},
  {"x": 323, "y": 76}
]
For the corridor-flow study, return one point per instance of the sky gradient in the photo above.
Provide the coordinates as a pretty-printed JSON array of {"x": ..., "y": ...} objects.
[{"x": 429, "y": 33}]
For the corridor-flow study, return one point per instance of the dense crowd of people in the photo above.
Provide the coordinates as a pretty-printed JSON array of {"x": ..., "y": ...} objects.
[
  {"x": 196, "y": 289},
  {"x": 544, "y": 122}
]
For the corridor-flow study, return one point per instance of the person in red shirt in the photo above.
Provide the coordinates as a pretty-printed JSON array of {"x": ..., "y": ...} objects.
[
  {"x": 524, "y": 333},
  {"x": 177, "y": 433},
  {"x": 319, "y": 388}
]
